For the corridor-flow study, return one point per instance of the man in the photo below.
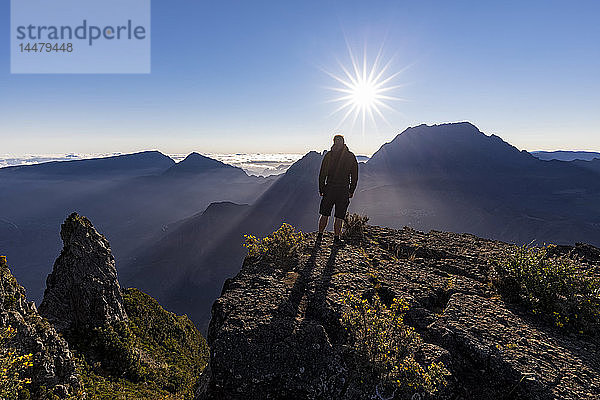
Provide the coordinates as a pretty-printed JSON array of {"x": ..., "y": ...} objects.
[{"x": 337, "y": 181}]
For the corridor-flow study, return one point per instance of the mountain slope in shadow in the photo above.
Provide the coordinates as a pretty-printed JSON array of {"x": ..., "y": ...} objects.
[
  {"x": 185, "y": 269},
  {"x": 453, "y": 177},
  {"x": 133, "y": 197}
]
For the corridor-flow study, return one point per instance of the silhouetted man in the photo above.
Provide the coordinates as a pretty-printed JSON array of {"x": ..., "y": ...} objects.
[{"x": 337, "y": 182}]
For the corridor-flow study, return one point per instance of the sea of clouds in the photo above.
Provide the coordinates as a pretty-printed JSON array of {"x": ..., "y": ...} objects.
[{"x": 261, "y": 164}]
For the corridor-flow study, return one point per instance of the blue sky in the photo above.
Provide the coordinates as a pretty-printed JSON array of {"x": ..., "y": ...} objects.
[{"x": 241, "y": 76}]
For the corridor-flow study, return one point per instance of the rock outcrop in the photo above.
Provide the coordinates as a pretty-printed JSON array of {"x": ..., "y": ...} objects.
[
  {"x": 276, "y": 332},
  {"x": 112, "y": 342},
  {"x": 82, "y": 292},
  {"x": 53, "y": 366},
  {"x": 124, "y": 341}
]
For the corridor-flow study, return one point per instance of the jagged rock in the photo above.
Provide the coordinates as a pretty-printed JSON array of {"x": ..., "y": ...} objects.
[
  {"x": 124, "y": 341},
  {"x": 82, "y": 292},
  {"x": 53, "y": 364},
  {"x": 276, "y": 333}
]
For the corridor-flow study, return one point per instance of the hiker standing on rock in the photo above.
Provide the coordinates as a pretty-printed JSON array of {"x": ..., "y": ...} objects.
[{"x": 337, "y": 181}]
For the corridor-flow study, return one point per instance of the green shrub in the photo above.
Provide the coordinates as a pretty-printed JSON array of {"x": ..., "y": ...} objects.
[
  {"x": 12, "y": 367},
  {"x": 9, "y": 302},
  {"x": 116, "y": 348},
  {"x": 177, "y": 350},
  {"x": 280, "y": 246},
  {"x": 102, "y": 387},
  {"x": 555, "y": 287},
  {"x": 155, "y": 354},
  {"x": 354, "y": 226},
  {"x": 384, "y": 345}
]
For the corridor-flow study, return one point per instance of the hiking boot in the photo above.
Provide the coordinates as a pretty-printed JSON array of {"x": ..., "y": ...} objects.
[
  {"x": 337, "y": 241},
  {"x": 319, "y": 239}
]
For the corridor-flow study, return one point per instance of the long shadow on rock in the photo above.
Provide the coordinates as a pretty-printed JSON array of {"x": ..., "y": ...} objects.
[
  {"x": 316, "y": 309},
  {"x": 290, "y": 307}
]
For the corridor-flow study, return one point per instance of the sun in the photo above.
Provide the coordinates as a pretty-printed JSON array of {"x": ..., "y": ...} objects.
[
  {"x": 365, "y": 90},
  {"x": 364, "y": 94}
]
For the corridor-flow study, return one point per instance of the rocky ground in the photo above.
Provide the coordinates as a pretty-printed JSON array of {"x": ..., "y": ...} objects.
[{"x": 276, "y": 332}]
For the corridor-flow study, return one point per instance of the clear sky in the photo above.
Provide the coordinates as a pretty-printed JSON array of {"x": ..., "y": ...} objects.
[{"x": 247, "y": 76}]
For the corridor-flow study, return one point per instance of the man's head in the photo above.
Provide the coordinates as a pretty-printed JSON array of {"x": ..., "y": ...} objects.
[{"x": 338, "y": 140}]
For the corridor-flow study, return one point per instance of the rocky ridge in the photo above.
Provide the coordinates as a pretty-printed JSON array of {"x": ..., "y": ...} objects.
[
  {"x": 275, "y": 331},
  {"x": 92, "y": 339},
  {"x": 53, "y": 363},
  {"x": 123, "y": 339}
]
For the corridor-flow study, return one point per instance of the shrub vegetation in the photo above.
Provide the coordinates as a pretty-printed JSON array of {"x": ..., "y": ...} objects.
[
  {"x": 12, "y": 366},
  {"x": 557, "y": 288},
  {"x": 154, "y": 355},
  {"x": 280, "y": 246},
  {"x": 354, "y": 226},
  {"x": 384, "y": 346}
]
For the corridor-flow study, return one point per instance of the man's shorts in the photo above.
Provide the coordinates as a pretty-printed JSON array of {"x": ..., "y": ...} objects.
[{"x": 338, "y": 196}]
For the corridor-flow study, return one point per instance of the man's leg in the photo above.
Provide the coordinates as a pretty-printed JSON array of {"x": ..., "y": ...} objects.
[
  {"x": 323, "y": 223},
  {"x": 341, "y": 206},
  {"x": 337, "y": 227}
]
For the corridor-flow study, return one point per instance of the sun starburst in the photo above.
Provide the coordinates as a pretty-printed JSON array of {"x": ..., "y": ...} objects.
[{"x": 365, "y": 90}]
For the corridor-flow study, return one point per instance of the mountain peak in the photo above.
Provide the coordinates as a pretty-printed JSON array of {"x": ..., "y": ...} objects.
[
  {"x": 196, "y": 163},
  {"x": 456, "y": 146},
  {"x": 462, "y": 129},
  {"x": 82, "y": 291},
  {"x": 306, "y": 163}
]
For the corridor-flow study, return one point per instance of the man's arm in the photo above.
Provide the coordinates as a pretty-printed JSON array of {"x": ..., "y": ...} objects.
[
  {"x": 353, "y": 175},
  {"x": 323, "y": 173}
]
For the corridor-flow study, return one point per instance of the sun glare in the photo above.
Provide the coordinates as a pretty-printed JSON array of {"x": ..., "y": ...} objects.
[{"x": 365, "y": 90}]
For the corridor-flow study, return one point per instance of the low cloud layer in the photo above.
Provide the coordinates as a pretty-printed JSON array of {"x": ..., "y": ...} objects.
[{"x": 262, "y": 164}]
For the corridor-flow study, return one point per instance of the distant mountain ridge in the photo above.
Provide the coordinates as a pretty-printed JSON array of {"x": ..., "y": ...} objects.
[
  {"x": 207, "y": 248},
  {"x": 146, "y": 162},
  {"x": 563, "y": 155},
  {"x": 132, "y": 197}
]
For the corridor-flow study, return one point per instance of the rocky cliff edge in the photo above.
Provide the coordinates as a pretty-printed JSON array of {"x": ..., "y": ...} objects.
[{"x": 279, "y": 331}]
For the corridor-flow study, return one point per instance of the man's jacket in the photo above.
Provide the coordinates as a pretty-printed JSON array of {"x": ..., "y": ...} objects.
[{"x": 339, "y": 168}]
